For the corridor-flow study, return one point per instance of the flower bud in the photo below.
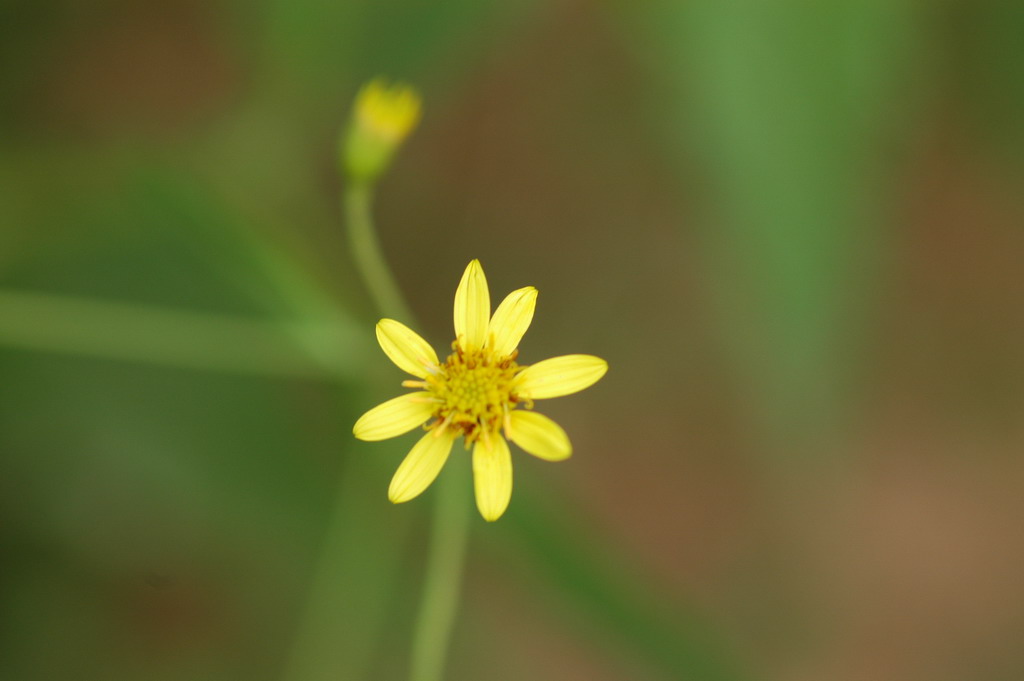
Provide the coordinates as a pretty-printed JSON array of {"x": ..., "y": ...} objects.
[{"x": 383, "y": 117}]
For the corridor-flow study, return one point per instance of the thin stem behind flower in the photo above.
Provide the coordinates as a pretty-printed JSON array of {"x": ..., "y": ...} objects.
[
  {"x": 443, "y": 578},
  {"x": 380, "y": 282}
]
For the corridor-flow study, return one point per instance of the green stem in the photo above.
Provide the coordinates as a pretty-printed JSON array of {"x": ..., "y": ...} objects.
[
  {"x": 151, "y": 334},
  {"x": 443, "y": 576},
  {"x": 366, "y": 252},
  {"x": 450, "y": 523}
]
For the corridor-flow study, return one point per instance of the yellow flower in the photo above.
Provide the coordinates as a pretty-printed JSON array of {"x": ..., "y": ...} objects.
[
  {"x": 383, "y": 117},
  {"x": 478, "y": 392}
]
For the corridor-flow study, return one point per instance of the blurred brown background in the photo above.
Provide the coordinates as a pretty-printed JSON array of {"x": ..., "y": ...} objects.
[{"x": 795, "y": 231}]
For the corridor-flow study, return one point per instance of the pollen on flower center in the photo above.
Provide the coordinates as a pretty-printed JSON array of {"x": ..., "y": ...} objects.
[{"x": 474, "y": 392}]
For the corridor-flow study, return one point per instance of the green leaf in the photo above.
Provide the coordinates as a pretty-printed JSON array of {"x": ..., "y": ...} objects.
[{"x": 789, "y": 105}]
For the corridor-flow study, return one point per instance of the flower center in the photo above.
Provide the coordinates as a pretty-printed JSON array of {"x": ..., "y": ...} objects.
[{"x": 474, "y": 392}]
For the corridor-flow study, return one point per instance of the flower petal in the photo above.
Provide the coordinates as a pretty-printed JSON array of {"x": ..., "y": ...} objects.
[
  {"x": 472, "y": 308},
  {"x": 560, "y": 376},
  {"x": 511, "y": 320},
  {"x": 539, "y": 435},
  {"x": 421, "y": 465},
  {"x": 394, "y": 417},
  {"x": 405, "y": 348},
  {"x": 492, "y": 478}
]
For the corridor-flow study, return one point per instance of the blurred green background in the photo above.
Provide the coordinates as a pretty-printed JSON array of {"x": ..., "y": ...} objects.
[{"x": 794, "y": 229}]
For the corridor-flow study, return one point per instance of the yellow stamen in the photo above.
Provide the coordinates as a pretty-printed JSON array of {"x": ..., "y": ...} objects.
[{"x": 439, "y": 430}]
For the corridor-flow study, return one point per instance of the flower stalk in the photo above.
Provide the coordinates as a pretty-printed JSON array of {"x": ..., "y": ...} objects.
[
  {"x": 442, "y": 580},
  {"x": 357, "y": 202}
]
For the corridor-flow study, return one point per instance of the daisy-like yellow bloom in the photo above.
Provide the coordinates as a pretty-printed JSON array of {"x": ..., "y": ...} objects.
[
  {"x": 479, "y": 392},
  {"x": 383, "y": 116}
]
